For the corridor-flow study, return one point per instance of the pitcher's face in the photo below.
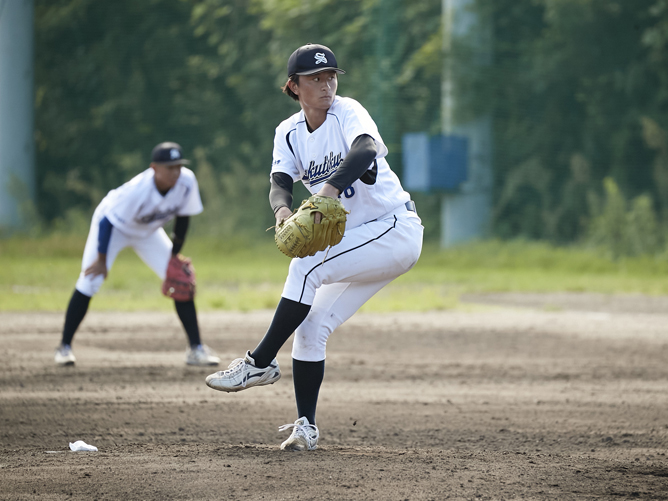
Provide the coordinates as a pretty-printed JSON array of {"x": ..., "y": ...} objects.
[{"x": 316, "y": 91}]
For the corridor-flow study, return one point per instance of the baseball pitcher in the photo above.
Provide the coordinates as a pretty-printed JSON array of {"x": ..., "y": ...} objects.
[{"x": 357, "y": 232}]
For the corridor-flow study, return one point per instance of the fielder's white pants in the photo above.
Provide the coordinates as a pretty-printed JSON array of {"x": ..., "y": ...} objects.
[
  {"x": 368, "y": 258},
  {"x": 155, "y": 250}
]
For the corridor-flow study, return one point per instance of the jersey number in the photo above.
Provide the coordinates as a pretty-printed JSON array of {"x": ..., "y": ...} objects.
[{"x": 349, "y": 192}]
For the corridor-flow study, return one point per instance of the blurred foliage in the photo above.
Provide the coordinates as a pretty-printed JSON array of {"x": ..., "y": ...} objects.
[
  {"x": 114, "y": 79},
  {"x": 622, "y": 229},
  {"x": 578, "y": 91}
]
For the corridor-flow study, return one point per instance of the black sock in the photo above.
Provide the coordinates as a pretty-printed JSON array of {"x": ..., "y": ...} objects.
[
  {"x": 76, "y": 311},
  {"x": 307, "y": 378},
  {"x": 288, "y": 316},
  {"x": 188, "y": 315}
]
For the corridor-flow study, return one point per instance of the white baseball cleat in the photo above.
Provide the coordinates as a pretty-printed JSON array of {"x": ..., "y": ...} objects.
[
  {"x": 242, "y": 374},
  {"x": 304, "y": 436},
  {"x": 64, "y": 355},
  {"x": 201, "y": 355}
]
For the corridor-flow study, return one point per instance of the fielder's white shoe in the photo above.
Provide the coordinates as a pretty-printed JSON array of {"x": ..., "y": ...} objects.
[
  {"x": 304, "y": 436},
  {"x": 201, "y": 355},
  {"x": 64, "y": 355},
  {"x": 242, "y": 374}
]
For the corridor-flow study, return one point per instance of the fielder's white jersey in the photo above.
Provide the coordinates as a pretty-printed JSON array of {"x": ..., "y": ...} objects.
[
  {"x": 137, "y": 209},
  {"x": 315, "y": 157}
]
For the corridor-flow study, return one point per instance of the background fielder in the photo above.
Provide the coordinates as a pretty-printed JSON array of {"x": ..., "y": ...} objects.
[
  {"x": 133, "y": 215},
  {"x": 334, "y": 148}
]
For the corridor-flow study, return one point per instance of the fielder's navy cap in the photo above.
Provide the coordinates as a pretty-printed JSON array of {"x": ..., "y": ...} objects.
[
  {"x": 168, "y": 154},
  {"x": 312, "y": 58}
]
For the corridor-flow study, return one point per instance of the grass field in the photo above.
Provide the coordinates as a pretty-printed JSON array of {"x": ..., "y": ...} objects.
[{"x": 39, "y": 274}]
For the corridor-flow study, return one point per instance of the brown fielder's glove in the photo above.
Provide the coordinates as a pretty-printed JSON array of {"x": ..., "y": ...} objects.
[
  {"x": 299, "y": 236},
  {"x": 180, "y": 281}
]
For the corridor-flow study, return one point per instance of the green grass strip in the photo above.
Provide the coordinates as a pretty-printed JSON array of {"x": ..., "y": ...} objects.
[{"x": 39, "y": 275}]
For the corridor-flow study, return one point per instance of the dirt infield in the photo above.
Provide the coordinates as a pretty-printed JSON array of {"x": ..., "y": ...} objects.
[{"x": 531, "y": 397}]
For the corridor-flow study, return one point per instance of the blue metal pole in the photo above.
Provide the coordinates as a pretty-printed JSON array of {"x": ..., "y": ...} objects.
[
  {"x": 17, "y": 145},
  {"x": 465, "y": 215}
]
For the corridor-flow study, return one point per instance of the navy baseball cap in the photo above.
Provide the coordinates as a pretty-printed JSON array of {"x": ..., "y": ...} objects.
[
  {"x": 168, "y": 154},
  {"x": 312, "y": 58}
]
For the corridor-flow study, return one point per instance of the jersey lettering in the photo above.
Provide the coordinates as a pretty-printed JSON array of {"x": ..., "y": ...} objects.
[
  {"x": 317, "y": 173},
  {"x": 149, "y": 218}
]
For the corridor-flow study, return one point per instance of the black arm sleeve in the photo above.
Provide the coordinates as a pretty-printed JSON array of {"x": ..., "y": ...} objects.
[
  {"x": 179, "y": 233},
  {"x": 357, "y": 161},
  {"x": 280, "y": 193}
]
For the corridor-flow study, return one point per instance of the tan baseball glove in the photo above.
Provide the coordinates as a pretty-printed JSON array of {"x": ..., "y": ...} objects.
[
  {"x": 179, "y": 284},
  {"x": 300, "y": 236}
]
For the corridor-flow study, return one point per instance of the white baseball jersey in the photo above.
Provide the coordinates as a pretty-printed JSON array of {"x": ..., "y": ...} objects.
[
  {"x": 137, "y": 208},
  {"x": 315, "y": 157}
]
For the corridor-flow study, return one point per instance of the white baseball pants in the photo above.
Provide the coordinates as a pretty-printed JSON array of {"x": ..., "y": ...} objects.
[
  {"x": 368, "y": 258},
  {"x": 155, "y": 250}
]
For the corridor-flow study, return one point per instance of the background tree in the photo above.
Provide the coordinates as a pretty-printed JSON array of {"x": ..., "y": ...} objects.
[{"x": 578, "y": 91}]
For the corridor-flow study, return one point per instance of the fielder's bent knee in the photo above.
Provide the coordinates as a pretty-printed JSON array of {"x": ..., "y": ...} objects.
[{"x": 89, "y": 286}]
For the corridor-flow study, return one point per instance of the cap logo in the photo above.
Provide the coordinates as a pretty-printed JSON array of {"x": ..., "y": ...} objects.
[
  {"x": 174, "y": 154},
  {"x": 320, "y": 58}
]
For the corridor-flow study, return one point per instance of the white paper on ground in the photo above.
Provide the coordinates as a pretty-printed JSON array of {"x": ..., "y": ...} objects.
[{"x": 80, "y": 445}]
